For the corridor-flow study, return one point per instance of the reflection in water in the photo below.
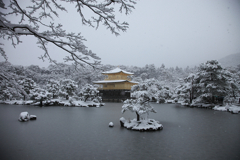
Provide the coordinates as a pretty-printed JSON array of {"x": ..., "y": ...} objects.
[{"x": 83, "y": 133}]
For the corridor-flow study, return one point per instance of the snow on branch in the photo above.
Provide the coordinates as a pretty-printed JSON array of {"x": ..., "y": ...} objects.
[{"x": 31, "y": 24}]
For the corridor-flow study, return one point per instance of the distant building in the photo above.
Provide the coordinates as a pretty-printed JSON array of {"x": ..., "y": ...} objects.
[{"x": 116, "y": 86}]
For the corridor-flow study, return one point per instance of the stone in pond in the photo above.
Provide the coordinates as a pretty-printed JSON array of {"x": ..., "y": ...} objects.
[
  {"x": 23, "y": 117},
  {"x": 111, "y": 124},
  {"x": 33, "y": 117}
]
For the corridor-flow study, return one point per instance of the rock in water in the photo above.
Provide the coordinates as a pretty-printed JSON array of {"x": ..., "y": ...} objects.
[
  {"x": 23, "y": 117},
  {"x": 122, "y": 121},
  {"x": 33, "y": 117},
  {"x": 111, "y": 124}
]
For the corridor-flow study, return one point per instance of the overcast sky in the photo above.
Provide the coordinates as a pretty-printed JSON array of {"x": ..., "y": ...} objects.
[{"x": 171, "y": 32}]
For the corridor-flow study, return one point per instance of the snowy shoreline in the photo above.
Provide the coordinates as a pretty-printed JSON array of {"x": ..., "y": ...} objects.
[{"x": 55, "y": 102}]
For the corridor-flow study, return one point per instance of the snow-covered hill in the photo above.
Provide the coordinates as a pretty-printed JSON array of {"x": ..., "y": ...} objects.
[{"x": 230, "y": 60}]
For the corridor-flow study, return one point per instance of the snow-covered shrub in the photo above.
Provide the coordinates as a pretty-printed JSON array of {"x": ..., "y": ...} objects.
[
  {"x": 89, "y": 92},
  {"x": 40, "y": 95},
  {"x": 27, "y": 84},
  {"x": 53, "y": 87},
  {"x": 67, "y": 88},
  {"x": 161, "y": 100},
  {"x": 97, "y": 99}
]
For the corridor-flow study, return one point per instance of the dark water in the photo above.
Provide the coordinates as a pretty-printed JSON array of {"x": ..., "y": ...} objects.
[{"x": 83, "y": 133}]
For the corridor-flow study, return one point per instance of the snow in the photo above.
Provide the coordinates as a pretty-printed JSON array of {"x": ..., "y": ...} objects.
[
  {"x": 122, "y": 119},
  {"x": 23, "y": 117},
  {"x": 142, "y": 125},
  {"x": 170, "y": 101},
  {"x": 231, "y": 108},
  {"x": 117, "y": 70},
  {"x": 184, "y": 104},
  {"x": 217, "y": 108},
  {"x": 56, "y": 102},
  {"x": 111, "y": 124},
  {"x": 86, "y": 104}
]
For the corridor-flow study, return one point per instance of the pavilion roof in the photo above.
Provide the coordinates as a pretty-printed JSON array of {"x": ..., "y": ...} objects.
[
  {"x": 117, "y": 70},
  {"x": 112, "y": 81}
]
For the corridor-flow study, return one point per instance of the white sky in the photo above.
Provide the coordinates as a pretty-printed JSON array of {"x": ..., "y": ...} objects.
[{"x": 176, "y": 33}]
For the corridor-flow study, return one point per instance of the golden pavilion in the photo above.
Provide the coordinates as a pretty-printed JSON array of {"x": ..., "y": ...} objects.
[{"x": 116, "y": 85}]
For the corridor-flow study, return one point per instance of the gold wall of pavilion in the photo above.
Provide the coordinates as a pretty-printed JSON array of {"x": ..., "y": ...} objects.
[{"x": 116, "y": 86}]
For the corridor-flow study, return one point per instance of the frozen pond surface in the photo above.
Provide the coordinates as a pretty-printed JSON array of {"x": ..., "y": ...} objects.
[{"x": 83, "y": 133}]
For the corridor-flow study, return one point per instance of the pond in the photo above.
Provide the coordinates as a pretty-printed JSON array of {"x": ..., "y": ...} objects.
[{"x": 83, "y": 133}]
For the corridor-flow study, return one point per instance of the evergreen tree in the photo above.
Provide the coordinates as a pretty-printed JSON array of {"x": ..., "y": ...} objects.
[
  {"x": 211, "y": 81},
  {"x": 143, "y": 93}
]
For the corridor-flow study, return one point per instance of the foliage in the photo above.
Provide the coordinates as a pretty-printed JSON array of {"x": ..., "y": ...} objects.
[
  {"x": 39, "y": 94},
  {"x": 142, "y": 94},
  {"x": 67, "y": 87},
  {"x": 90, "y": 92},
  {"x": 53, "y": 87},
  {"x": 211, "y": 80},
  {"x": 27, "y": 84}
]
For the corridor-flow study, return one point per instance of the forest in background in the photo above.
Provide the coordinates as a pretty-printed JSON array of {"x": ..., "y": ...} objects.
[{"x": 176, "y": 82}]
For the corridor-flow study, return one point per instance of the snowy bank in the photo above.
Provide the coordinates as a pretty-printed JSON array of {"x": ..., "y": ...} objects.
[
  {"x": 202, "y": 105},
  {"x": 230, "y": 108},
  {"x": 142, "y": 125},
  {"x": 55, "y": 102}
]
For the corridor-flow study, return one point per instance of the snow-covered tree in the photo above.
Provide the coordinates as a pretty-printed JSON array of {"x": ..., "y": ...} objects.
[
  {"x": 8, "y": 76},
  {"x": 182, "y": 92},
  {"x": 28, "y": 84},
  {"x": 190, "y": 86},
  {"x": 137, "y": 79},
  {"x": 162, "y": 94},
  {"x": 233, "y": 89},
  {"x": 143, "y": 93},
  {"x": 89, "y": 92},
  {"x": 67, "y": 87},
  {"x": 53, "y": 87},
  {"x": 36, "y": 17},
  {"x": 39, "y": 94},
  {"x": 211, "y": 80}
]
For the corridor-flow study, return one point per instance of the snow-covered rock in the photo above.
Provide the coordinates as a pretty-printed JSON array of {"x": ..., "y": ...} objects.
[
  {"x": 170, "y": 101},
  {"x": 217, "y": 108},
  {"x": 142, "y": 125},
  {"x": 111, "y": 124},
  {"x": 184, "y": 104},
  {"x": 23, "y": 117},
  {"x": 33, "y": 117},
  {"x": 122, "y": 121},
  {"x": 234, "y": 109},
  {"x": 231, "y": 108},
  {"x": 28, "y": 102}
]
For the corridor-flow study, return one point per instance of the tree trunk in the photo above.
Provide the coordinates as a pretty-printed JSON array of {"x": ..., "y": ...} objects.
[
  {"x": 138, "y": 117},
  {"x": 86, "y": 99},
  {"x": 41, "y": 102},
  {"x": 212, "y": 99},
  {"x": 190, "y": 97},
  {"x": 234, "y": 94}
]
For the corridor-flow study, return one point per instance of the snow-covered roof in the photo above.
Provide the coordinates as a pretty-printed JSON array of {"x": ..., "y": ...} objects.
[
  {"x": 116, "y": 70},
  {"x": 112, "y": 81}
]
